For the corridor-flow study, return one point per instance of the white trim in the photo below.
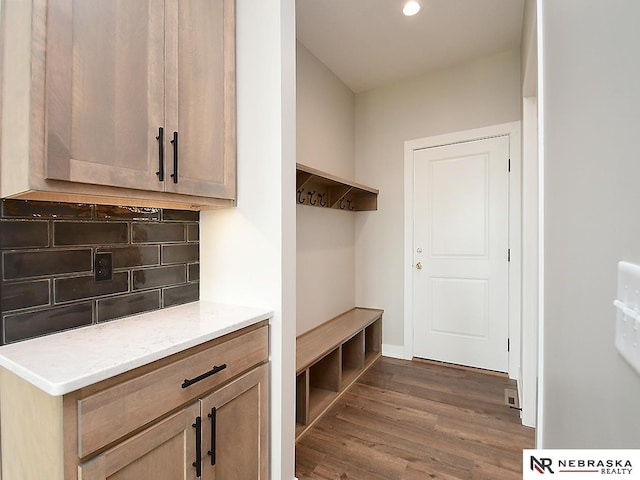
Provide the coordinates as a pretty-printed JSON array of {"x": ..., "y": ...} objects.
[
  {"x": 408, "y": 248},
  {"x": 513, "y": 131},
  {"x": 529, "y": 362},
  {"x": 540, "y": 381},
  {"x": 515, "y": 244},
  {"x": 394, "y": 351}
]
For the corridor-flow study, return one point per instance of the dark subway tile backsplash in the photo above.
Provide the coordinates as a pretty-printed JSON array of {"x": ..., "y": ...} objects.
[
  {"x": 17, "y": 295},
  {"x": 193, "y": 233},
  {"x": 180, "y": 215},
  {"x": 181, "y": 294},
  {"x": 158, "y": 232},
  {"x": 107, "y": 212},
  {"x": 34, "y": 209},
  {"x": 34, "y": 324},
  {"x": 122, "y": 306},
  {"x": 39, "y": 263},
  {"x": 180, "y": 253},
  {"x": 90, "y": 233},
  {"x": 135, "y": 256},
  {"x": 193, "y": 271},
  {"x": 78, "y": 288},
  {"x": 24, "y": 234},
  {"x": 159, "y": 277},
  {"x": 47, "y": 253}
]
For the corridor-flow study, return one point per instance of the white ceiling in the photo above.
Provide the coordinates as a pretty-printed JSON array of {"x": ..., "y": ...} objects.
[{"x": 369, "y": 43}]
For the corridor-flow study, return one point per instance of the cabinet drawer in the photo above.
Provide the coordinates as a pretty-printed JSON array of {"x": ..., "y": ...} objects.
[{"x": 112, "y": 413}]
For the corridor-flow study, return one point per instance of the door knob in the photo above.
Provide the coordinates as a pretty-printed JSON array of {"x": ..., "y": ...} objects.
[{"x": 419, "y": 265}]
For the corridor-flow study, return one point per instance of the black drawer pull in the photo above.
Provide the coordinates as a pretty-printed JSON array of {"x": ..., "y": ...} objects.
[
  {"x": 160, "y": 138},
  {"x": 198, "y": 462},
  {"x": 212, "y": 452},
  {"x": 174, "y": 175},
  {"x": 188, "y": 382}
]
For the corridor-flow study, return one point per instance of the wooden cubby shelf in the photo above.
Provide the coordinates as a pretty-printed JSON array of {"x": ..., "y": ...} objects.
[
  {"x": 320, "y": 189},
  {"x": 330, "y": 358}
]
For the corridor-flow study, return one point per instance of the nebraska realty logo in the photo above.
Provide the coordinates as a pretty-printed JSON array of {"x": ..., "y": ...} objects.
[{"x": 577, "y": 464}]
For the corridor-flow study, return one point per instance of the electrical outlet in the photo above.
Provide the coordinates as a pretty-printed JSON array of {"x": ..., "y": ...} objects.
[
  {"x": 103, "y": 267},
  {"x": 511, "y": 397}
]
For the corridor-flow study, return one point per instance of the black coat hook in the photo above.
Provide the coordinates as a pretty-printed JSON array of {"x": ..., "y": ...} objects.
[
  {"x": 349, "y": 204},
  {"x": 323, "y": 203},
  {"x": 341, "y": 205},
  {"x": 300, "y": 192},
  {"x": 311, "y": 200}
]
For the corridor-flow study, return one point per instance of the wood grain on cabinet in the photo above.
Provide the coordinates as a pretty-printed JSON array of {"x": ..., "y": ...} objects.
[
  {"x": 164, "y": 451},
  {"x": 105, "y": 92},
  {"x": 27, "y": 409},
  {"x": 241, "y": 429},
  {"x": 85, "y": 110},
  {"x": 129, "y": 400},
  {"x": 201, "y": 96}
]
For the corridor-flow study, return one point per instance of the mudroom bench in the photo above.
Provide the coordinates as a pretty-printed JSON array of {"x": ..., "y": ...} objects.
[{"x": 330, "y": 358}]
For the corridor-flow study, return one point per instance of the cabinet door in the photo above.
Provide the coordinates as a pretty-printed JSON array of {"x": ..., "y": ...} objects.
[
  {"x": 165, "y": 451},
  {"x": 201, "y": 101},
  {"x": 105, "y": 91},
  {"x": 235, "y": 429}
]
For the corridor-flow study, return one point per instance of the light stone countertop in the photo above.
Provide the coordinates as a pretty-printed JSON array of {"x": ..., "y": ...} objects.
[{"x": 67, "y": 361}]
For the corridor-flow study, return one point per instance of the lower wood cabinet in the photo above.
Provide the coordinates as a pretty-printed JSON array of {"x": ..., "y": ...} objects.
[
  {"x": 223, "y": 436},
  {"x": 202, "y": 413},
  {"x": 162, "y": 452},
  {"x": 235, "y": 420}
]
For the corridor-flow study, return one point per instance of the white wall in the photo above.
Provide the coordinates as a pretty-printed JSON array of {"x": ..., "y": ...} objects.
[
  {"x": 325, "y": 238},
  {"x": 325, "y": 117},
  {"x": 475, "y": 94},
  {"x": 591, "y": 124},
  {"x": 529, "y": 49},
  {"x": 245, "y": 253},
  {"x": 528, "y": 376}
]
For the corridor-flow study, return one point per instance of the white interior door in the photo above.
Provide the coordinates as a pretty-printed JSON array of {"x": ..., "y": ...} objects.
[{"x": 461, "y": 274}]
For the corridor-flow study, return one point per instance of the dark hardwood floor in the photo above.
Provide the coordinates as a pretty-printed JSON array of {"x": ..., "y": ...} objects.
[{"x": 408, "y": 420}]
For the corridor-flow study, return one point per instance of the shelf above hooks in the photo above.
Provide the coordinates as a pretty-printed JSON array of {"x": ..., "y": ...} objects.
[{"x": 320, "y": 189}]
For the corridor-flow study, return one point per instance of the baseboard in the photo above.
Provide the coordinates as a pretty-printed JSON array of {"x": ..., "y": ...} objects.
[{"x": 394, "y": 351}]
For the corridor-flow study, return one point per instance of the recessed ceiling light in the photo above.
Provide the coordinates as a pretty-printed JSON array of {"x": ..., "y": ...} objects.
[{"x": 411, "y": 8}]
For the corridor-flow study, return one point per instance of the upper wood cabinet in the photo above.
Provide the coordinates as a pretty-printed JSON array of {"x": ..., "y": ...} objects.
[
  {"x": 128, "y": 99},
  {"x": 201, "y": 83}
]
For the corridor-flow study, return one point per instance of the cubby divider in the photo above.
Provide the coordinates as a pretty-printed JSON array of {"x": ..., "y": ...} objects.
[
  {"x": 302, "y": 394},
  {"x": 352, "y": 358},
  {"x": 330, "y": 358},
  {"x": 372, "y": 342}
]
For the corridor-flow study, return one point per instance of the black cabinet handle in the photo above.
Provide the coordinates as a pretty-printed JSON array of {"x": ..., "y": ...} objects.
[
  {"x": 198, "y": 462},
  {"x": 174, "y": 175},
  {"x": 188, "y": 382},
  {"x": 160, "y": 138},
  {"x": 212, "y": 452}
]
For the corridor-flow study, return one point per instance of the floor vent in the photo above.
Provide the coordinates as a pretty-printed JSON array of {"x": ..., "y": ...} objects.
[{"x": 511, "y": 397}]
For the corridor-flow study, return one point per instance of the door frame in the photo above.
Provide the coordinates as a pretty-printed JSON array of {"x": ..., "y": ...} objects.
[{"x": 513, "y": 131}]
